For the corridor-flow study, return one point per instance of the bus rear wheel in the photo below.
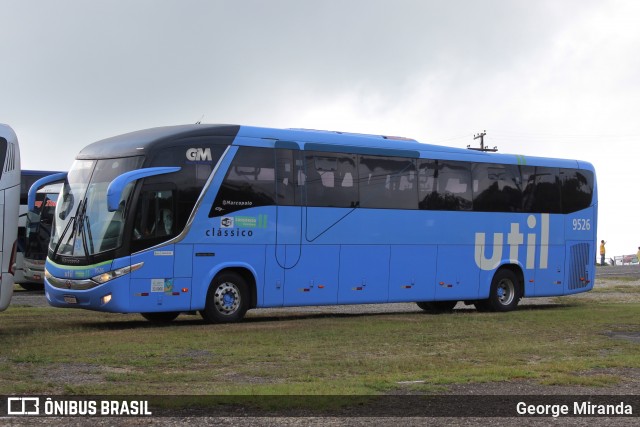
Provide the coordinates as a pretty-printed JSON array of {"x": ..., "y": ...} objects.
[
  {"x": 504, "y": 295},
  {"x": 227, "y": 299},
  {"x": 161, "y": 317},
  {"x": 437, "y": 307}
]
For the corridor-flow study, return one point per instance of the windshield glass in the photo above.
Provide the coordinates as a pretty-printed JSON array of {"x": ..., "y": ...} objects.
[
  {"x": 38, "y": 228},
  {"x": 83, "y": 224}
]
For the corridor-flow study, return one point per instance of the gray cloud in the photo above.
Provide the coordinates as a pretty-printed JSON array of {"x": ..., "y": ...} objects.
[{"x": 544, "y": 78}]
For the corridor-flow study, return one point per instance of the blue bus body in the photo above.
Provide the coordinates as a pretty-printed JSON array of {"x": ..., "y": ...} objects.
[
  {"x": 24, "y": 274},
  {"x": 38, "y": 233},
  {"x": 384, "y": 220}
]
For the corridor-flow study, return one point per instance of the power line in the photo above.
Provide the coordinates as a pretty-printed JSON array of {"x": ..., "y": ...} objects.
[{"x": 481, "y": 136}]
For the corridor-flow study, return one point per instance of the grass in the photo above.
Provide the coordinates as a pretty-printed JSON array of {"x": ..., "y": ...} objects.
[
  {"x": 617, "y": 288},
  {"x": 46, "y": 350}
]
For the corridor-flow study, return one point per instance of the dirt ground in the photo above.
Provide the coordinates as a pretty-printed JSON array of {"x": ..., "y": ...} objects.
[{"x": 613, "y": 284}]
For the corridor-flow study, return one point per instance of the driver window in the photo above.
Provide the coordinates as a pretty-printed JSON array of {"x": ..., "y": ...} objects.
[{"x": 154, "y": 216}]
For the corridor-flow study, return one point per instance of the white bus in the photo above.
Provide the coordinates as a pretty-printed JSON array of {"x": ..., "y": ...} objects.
[{"x": 9, "y": 205}]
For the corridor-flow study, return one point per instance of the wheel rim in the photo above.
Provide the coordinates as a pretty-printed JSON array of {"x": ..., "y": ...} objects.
[
  {"x": 227, "y": 298},
  {"x": 506, "y": 291}
]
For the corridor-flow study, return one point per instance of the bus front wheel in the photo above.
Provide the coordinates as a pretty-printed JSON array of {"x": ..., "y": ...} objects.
[
  {"x": 227, "y": 299},
  {"x": 504, "y": 295},
  {"x": 161, "y": 317},
  {"x": 437, "y": 307}
]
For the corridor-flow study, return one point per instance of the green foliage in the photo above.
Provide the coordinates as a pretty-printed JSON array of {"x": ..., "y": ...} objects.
[{"x": 46, "y": 350}]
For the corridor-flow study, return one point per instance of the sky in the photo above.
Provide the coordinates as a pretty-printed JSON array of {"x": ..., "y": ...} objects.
[{"x": 550, "y": 78}]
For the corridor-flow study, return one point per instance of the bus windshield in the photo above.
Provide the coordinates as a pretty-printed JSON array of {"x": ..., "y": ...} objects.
[
  {"x": 38, "y": 224},
  {"x": 83, "y": 224}
]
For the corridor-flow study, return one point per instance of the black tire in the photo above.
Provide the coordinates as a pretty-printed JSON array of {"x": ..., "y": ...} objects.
[
  {"x": 437, "y": 307},
  {"x": 227, "y": 299},
  {"x": 505, "y": 293},
  {"x": 161, "y": 317},
  {"x": 31, "y": 286}
]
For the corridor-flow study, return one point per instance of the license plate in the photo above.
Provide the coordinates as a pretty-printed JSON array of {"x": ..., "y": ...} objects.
[{"x": 70, "y": 299}]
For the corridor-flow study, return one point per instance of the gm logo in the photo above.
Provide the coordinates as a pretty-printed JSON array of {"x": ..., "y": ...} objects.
[{"x": 199, "y": 154}]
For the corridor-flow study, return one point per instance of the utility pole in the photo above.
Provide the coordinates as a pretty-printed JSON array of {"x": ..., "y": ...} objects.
[{"x": 481, "y": 135}]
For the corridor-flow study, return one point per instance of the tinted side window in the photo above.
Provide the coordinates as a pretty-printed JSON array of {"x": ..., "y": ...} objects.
[
  {"x": 387, "y": 182},
  {"x": 249, "y": 182},
  {"x": 331, "y": 179},
  {"x": 577, "y": 189},
  {"x": 154, "y": 216},
  {"x": 496, "y": 188},
  {"x": 289, "y": 177},
  {"x": 189, "y": 181},
  {"x": 26, "y": 181},
  {"x": 154, "y": 220},
  {"x": 3, "y": 156},
  {"x": 541, "y": 189},
  {"x": 444, "y": 185}
]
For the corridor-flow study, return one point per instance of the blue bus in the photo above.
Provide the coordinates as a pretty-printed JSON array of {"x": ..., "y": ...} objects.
[
  {"x": 221, "y": 219},
  {"x": 38, "y": 233},
  {"x": 23, "y": 274}
]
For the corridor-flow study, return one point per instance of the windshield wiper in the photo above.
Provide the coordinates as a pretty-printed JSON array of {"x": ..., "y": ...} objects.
[
  {"x": 88, "y": 227},
  {"x": 82, "y": 210},
  {"x": 75, "y": 223},
  {"x": 71, "y": 222}
]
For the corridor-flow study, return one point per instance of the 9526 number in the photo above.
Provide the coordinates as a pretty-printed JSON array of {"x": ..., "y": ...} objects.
[{"x": 581, "y": 224}]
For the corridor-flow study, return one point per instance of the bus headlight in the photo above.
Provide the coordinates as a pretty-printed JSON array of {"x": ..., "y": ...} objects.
[
  {"x": 47, "y": 275},
  {"x": 114, "y": 274},
  {"x": 106, "y": 299}
]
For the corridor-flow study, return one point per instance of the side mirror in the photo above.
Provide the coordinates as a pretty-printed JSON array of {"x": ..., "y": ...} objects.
[
  {"x": 31, "y": 200},
  {"x": 116, "y": 187}
]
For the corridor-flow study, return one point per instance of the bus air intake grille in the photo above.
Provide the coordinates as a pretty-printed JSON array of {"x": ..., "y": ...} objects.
[{"x": 579, "y": 265}]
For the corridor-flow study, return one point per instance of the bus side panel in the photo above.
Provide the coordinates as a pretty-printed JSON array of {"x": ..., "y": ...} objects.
[
  {"x": 549, "y": 281},
  {"x": 154, "y": 287},
  {"x": 314, "y": 279},
  {"x": 456, "y": 278},
  {"x": 272, "y": 290},
  {"x": 22, "y": 231},
  {"x": 8, "y": 235},
  {"x": 5, "y": 227},
  {"x": 579, "y": 267},
  {"x": 209, "y": 260},
  {"x": 158, "y": 262},
  {"x": 412, "y": 273},
  {"x": 364, "y": 274},
  {"x": 580, "y": 232},
  {"x": 159, "y": 294},
  {"x": 6, "y": 282},
  {"x": 183, "y": 262}
]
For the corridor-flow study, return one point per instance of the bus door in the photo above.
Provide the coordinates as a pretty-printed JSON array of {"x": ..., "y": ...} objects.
[
  {"x": 285, "y": 252},
  {"x": 288, "y": 208},
  {"x": 310, "y": 272},
  {"x": 157, "y": 286}
]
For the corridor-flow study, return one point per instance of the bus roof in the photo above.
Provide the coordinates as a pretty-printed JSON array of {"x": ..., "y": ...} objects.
[
  {"x": 140, "y": 142},
  {"x": 137, "y": 143},
  {"x": 7, "y": 133},
  {"x": 37, "y": 172}
]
